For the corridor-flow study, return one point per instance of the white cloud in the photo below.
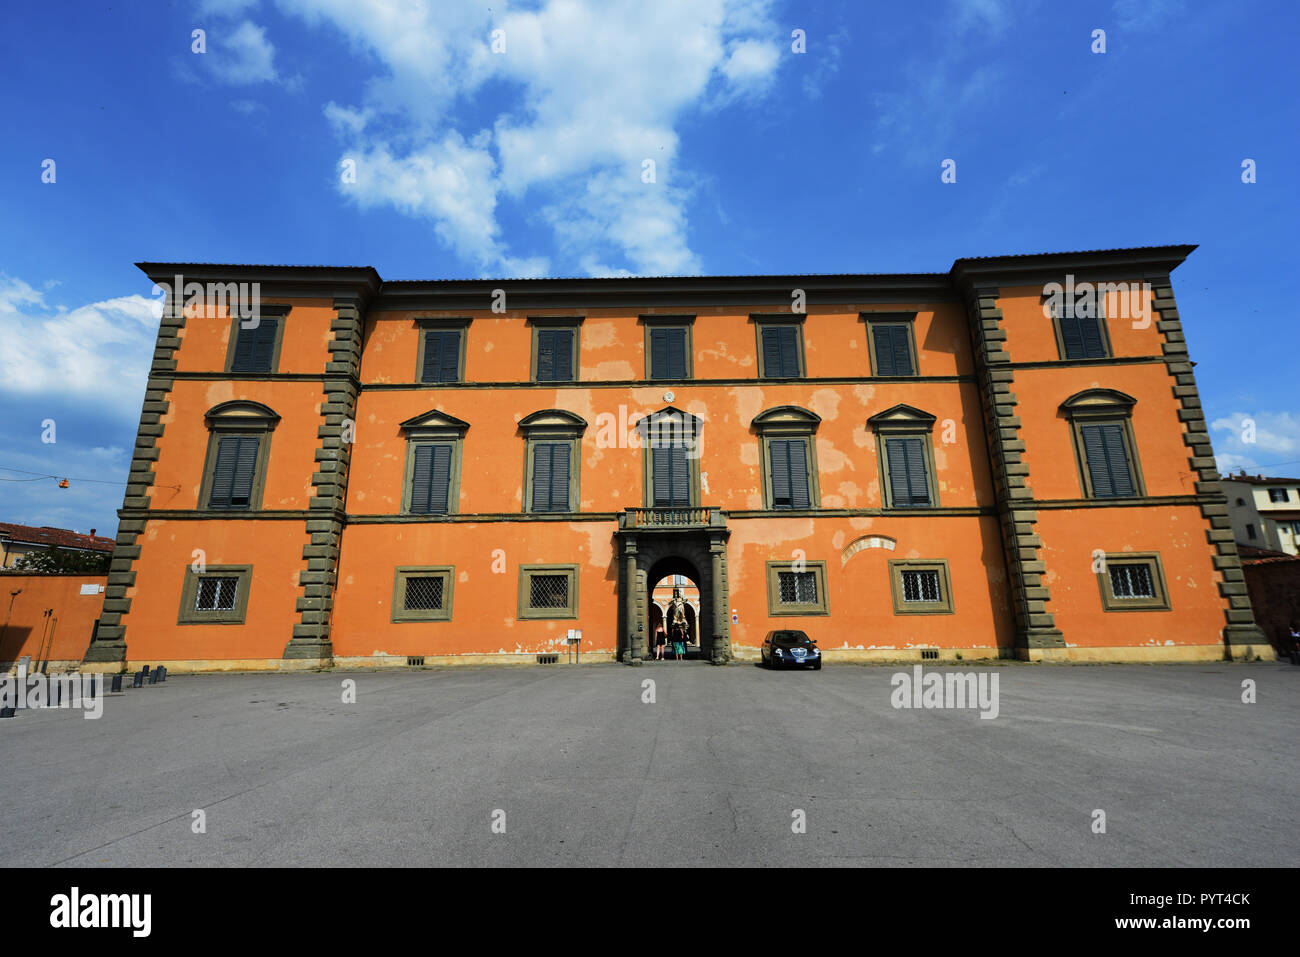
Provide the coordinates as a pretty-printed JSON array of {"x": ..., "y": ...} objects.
[
  {"x": 584, "y": 92},
  {"x": 241, "y": 56},
  {"x": 1255, "y": 441},
  {"x": 101, "y": 351}
]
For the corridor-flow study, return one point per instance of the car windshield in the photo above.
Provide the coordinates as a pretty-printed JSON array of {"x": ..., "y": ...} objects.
[{"x": 792, "y": 638}]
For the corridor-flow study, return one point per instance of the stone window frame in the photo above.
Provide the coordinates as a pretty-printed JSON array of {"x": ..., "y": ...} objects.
[
  {"x": 238, "y": 417},
  {"x": 188, "y": 615},
  {"x": 692, "y": 461},
  {"x": 908, "y": 319},
  {"x": 1104, "y": 332},
  {"x": 427, "y": 325},
  {"x": 554, "y": 425},
  {"x": 526, "y": 612},
  {"x": 1103, "y": 407},
  {"x": 685, "y": 323},
  {"x": 896, "y": 422},
  {"x": 538, "y": 323},
  {"x": 945, "y": 604},
  {"x": 400, "y": 614},
  {"x": 277, "y": 311},
  {"x": 777, "y": 609},
  {"x": 1160, "y": 602},
  {"x": 788, "y": 422},
  {"x": 768, "y": 320},
  {"x": 434, "y": 428},
  {"x": 1286, "y": 495}
]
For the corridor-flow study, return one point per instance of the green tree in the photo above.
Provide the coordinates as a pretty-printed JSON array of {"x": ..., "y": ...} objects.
[{"x": 49, "y": 561}]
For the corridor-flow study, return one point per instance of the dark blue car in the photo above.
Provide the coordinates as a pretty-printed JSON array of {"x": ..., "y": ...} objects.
[{"x": 790, "y": 649}]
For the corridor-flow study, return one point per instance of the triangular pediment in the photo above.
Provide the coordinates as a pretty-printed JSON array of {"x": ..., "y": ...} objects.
[
  {"x": 901, "y": 416},
  {"x": 435, "y": 420}
]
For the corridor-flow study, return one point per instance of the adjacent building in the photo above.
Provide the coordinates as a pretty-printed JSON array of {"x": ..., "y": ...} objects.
[
  {"x": 959, "y": 463},
  {"x": 19, "y": 540},
  {"x": 1265, "y": 511}
]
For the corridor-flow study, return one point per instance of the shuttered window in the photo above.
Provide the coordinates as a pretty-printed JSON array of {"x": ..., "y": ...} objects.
[
  {"x": 780, "y": 352},
  {"x": 672, "y": 477},
  {"x": 668, "y": 353},
  {"x": 555, "y": 355},
  {"x": 234, "y": 473},
  {"x": 1109, "y": 469},
  {"x": 550, "y": 487},
  {"x": 892, "y": 344},
  {"x": 255, "y": 346},
  {"x": 909, "y": 483},
  {"x": 788, "y": 463},
  {"x": 441, "y": 356},
  {"x": 431, "y": 479},
  {"x": 1081, "y": 337}
]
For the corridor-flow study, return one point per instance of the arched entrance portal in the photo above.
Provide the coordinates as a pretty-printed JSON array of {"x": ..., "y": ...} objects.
[
  {"x": 665, "y": 589},
  {"x": 699, "y": 556}
]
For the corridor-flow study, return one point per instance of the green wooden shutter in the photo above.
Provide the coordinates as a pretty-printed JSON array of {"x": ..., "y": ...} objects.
[
  {"x": 421, "y": 478},
  {"x": 545, "y": 355},
  {"x": 676, "y": 358},
  {"x": 241, "y": 488},
  {"x": 659, "y": 354},
  {"x": 440, "y": 479},
  {"x": 1090, "y": 332},
  {"x": 780, "y": 471},
  {"x": 672, "y": 483},
  {"x": 1117, "y": 460},
  {"x": 1094, "y": 451},
  {"x": 901, "y": 347},
  {"x": 223, "y": 474},
  {"x": 559, "y": 491},
  {"x": 681, "y": 481},
  {"x": 563, "y": 354},
  {"x": 551, "y": 476},
  {"x": 908, "y": 475},
  {"x": 781, "y": 352},
  {"x": 1071, "y": 337},
  {"x": 799, "y": 497}
]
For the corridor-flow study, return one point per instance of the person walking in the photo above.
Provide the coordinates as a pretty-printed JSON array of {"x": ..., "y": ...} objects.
[{"x": 661, "y": 641}]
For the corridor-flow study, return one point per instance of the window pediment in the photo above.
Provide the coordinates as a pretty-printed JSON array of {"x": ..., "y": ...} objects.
[
  {"x": 434, "y": 424},
  {"x": 241, "y": 414},
  {"x": 1098, "y": 402},
  {"x": 902, "y": 418},
  {"x": 553, "y": 421},
  {"x": 786, "y": 418}
]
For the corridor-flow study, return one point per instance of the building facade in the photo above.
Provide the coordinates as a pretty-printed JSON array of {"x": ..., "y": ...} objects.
[
  {"x": 1265, "y": 511},
  {"x": 952, "y": 464}
]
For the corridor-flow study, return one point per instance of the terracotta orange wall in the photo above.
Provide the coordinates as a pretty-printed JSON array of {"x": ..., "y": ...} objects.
[
  {"x": 860, "y": 601},
  {"x": 1031, "y": 336},
  {"x": 484, "y": 600},
  {"x": 205, "y": 341},
  {"x": 611, "y": 477},
  {"x": 26, "y": 631},
  {"x": 1177, "y": 533},
  {"x": 273, "y": 548},
  {"x": 612, "y": 344}
]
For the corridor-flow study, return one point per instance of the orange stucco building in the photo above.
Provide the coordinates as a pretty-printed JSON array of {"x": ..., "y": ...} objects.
[{"x": 379, "y": 472}]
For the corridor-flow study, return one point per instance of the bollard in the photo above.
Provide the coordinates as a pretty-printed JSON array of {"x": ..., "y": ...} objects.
[
  {"x": 9, "y": 712},
  {"x": 162, "y": 672},
  {"x": 116, "y": 684},
  {"x": 138, "y": 680}
]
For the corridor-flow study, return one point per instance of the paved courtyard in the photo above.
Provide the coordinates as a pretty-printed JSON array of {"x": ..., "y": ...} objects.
[{"x": 712, "y": 772}]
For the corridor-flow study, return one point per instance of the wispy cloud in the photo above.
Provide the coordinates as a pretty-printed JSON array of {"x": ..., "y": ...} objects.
[
  {"x": 1253, "y": 441},
  {"x": 583, "y": 93}
]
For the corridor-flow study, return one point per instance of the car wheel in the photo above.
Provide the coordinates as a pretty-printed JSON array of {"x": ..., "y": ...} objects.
[{"x": 817, "y": 665}]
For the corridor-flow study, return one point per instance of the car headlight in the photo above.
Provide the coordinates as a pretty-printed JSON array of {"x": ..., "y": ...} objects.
[{"x": 777, "y": 651}]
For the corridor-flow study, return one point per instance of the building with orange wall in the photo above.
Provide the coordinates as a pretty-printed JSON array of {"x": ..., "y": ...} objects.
[{"x": 387, "y": 472}]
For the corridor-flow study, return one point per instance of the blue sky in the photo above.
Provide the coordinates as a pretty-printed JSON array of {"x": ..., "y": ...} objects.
[{"x": 529, "y": 162}]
